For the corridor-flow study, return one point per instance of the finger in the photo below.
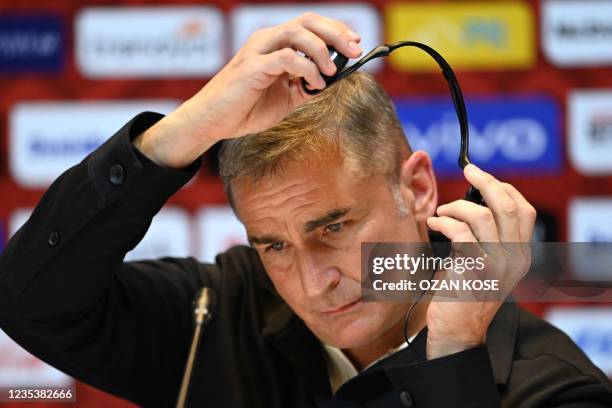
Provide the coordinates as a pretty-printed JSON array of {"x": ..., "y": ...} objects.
[
  {"x": 456, "y": 231},
  {"x": 288, "y": 61},
  {"x": 334, "y": 33},
  {"x": 503, "y": 206},
  {"x": 479, "y": 218},
  {"x": 315, "y": 48},
  {"x": 526, "y": 213}
]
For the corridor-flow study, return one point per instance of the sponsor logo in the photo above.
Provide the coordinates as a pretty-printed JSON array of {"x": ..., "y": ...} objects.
[
  {"x": 31, "y": 43},
  {"x": 150, "y": 42},
  {"x": 20, "y": 368},
  {"x": 168, "y": 235},
  {"x": 577, "y": 33},
  {"x": 475, "y": 35},
  {"x": 46, "y": 138},
  {"x": 591, "y": 330},
  {"x": 590, "y": 220},
  {"x": 362, "y": 18},
  {"x": 219, "y": 230},
  {"x": 508, "y": 134},
  {"x": 590, "y": 131}
]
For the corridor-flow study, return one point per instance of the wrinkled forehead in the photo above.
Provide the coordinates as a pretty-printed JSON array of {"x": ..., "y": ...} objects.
[
  {"x": 321, "y": 174},
  {"x": 298, "y": 187}
]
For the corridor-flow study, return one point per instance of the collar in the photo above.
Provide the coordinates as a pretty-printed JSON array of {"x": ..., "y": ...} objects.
[{"x": 304, "y": 352}]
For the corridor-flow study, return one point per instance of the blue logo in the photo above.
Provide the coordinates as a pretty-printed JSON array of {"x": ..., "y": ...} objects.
[
  {"x": 31, "y": 43},
  {"x": 508, "y": 134}
]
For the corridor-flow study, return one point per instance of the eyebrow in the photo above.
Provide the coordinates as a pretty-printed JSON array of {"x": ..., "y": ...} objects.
[
  {"x": 309, "y": 226},
  {"x": 328, "y": 218},
  {"x": 264, "y": 239}
]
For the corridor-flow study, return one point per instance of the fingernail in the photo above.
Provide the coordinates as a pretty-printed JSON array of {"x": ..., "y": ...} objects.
[
  {"x": 354, "y": 47},
  {"x": 353, "y": 34}
]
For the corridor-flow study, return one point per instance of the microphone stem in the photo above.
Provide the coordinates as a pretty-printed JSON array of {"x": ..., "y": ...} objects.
[{"x": 190, "y": 360}]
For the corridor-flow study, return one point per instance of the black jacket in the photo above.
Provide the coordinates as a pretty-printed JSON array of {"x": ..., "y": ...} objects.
[{"x": 125, "y": 327}]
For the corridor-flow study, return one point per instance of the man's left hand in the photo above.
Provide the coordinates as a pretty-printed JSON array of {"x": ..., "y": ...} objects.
[{"x": 507, "y": 218}]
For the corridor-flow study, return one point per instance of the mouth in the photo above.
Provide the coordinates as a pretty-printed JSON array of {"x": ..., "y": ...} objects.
[{"x": 342, "y": 309}]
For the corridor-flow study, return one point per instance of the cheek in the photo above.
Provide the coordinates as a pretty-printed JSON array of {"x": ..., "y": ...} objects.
[{"x": 288, "y": 286}]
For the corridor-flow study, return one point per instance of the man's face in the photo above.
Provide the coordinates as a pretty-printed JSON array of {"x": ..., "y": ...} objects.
[{"x": 307, "y": 223}]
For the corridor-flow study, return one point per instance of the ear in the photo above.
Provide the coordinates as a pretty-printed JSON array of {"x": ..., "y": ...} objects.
[{"x": 418, "y": 182}]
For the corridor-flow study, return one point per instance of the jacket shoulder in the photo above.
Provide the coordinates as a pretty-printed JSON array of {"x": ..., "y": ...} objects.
[
  {"x": 549, "y": 369},
  {"x": 538, "y": 338}
]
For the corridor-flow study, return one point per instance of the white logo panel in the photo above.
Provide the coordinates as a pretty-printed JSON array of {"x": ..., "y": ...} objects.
[
  {"x": 219, "y": 230},
  {"x": 20, "y": 368},
  {"x": 590, "y": 131},
  {"x": 46, "y": 138},
  {"x": 362, "y": 18},
  {"x": 150, "y": 41},
  {"x": 577, "y": 33}
]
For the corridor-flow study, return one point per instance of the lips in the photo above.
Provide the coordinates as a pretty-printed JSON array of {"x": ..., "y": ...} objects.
[{"x": 342, "y": 309}]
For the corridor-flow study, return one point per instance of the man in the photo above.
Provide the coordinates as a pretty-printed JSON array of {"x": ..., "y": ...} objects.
[{"x": 291, "y": 328}]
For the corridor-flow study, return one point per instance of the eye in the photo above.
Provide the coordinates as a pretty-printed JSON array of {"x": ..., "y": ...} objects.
[
  {"x": 333, "y": 228},
  {"x": 277, "y": 246}
]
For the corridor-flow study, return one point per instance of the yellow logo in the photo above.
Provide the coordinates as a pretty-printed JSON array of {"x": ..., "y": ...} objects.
[{"x": 469, "y": 35}]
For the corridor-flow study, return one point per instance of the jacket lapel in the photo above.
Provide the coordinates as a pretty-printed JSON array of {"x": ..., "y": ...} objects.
[{"x": 300, "y": 348}]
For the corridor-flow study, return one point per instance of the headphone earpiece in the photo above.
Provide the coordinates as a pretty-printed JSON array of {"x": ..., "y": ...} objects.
[{"x": 339, "y": 61}]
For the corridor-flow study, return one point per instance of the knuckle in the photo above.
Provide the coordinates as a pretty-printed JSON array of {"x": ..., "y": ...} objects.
[
  {"x": 509, "y": 208},
  {"x": 462, "y": 228},
  {"x": 291, "y": 30},
  {"x": 308, "y": 16},
  {"x": 287, "y": 55},
  {"x": 490, "y": 181},
  {"x": 485, "y": 215},
  {"x": 531, "y": 212},
  {"x": 259, "y": 34},
  {"x": 342, "y": 27}
]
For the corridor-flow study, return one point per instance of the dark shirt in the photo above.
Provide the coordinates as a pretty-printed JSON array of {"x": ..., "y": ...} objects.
[{"x": 125, "y": 327}]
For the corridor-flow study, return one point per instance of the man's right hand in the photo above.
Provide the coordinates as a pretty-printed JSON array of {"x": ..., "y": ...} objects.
[{"x": 254, "y": 91}]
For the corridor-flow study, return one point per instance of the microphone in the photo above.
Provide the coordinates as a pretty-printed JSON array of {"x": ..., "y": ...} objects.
[{"x": 203, "y": 305}]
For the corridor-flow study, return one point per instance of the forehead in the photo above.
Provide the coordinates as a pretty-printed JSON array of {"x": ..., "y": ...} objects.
[{"x": 299, "y": 190}]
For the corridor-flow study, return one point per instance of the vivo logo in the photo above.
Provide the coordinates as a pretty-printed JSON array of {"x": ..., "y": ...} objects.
[
  {"x": 515, "y": 139},
  {"x": 506, "y": 134}
]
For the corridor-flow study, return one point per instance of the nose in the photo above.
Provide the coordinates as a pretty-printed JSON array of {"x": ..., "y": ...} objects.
[{"x": 317, "y": 273}]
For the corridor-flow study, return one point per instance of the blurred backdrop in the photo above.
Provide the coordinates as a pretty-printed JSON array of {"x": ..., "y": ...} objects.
[{"x": 537, "y": 77}]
